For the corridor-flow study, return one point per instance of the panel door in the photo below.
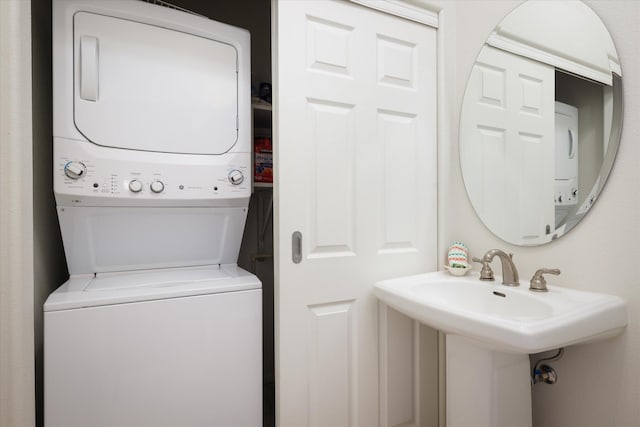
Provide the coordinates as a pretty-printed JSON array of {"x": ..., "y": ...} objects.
[
  {"x": 507, "y": 144},
  {"x": 355, "y": 135}
]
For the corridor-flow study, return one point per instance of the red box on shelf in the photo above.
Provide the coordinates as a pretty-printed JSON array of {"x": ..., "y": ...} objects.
[{"x": 263, "y": 152}]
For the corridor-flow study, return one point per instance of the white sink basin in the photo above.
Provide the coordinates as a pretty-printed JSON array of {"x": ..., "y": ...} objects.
[{"x": 511, "y": 319}]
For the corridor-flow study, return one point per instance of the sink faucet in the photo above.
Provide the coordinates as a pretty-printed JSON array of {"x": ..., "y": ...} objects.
[
  {"x": 538, "y": 282},
  {"x": 509, "y": 271}
]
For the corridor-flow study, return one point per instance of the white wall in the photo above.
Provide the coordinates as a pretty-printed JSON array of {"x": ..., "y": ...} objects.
[
  {"x": 599, "y": 384},
  {"x": 16, "y": 212}
]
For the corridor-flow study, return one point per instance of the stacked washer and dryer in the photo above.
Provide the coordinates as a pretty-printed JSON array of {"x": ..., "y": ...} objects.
[{"x": 157, "y": 325}]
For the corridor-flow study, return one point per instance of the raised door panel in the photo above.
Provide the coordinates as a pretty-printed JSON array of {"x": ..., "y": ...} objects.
[
  {"x": 332, "y": 364},
  {"x": 399, "y": 369},
  {"x": 331, "y": 130},
  {"x": 399, "y": 169}
]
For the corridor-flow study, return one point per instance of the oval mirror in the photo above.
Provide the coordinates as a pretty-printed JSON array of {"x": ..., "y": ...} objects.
[{"x": 541, "y": 121}]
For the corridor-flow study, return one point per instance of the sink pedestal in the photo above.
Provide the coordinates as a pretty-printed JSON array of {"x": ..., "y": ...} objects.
[{"x": 486, "y": 388}]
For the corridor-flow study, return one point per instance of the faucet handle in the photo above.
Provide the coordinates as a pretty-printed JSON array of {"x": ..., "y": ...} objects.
[
  {"x": 538, "y": 283},
  {"x": 486, "y": 273}
]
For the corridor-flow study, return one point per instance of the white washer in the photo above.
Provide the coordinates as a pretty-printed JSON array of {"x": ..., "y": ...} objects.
[
  {"x": 157, "y": 326},
  {"x": 180, "y": 347}
]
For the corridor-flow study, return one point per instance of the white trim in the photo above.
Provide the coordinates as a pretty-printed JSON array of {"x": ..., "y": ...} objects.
[
  {"x": 383, "y": 358},
  {"x": 275, "y": 136},
  {"x": 17, "y": 376},
  {"x": 615, "y": 67},
  {"x": 423, "y": 15},
  {"x": 417, "y": 375},
  {"x": 446, "y": 142},
  {"x": 522, "y": 49}
]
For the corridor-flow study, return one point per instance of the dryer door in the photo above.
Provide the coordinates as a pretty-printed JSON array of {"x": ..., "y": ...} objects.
[{"x": 142, "y": 87}]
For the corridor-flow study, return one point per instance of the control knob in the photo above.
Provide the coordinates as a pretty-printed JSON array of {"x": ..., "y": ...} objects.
[
  {"x": 236, "y": 177},
  {"x": 157, "y": 186},
  {"x": 135, "y": 186},
  {"x": 75, "y": 170}
]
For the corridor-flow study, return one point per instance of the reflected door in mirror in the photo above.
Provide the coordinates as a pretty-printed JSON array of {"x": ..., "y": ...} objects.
[{"x": 507, "y": 144}]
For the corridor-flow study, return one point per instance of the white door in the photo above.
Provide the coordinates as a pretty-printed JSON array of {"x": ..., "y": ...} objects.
[
  {"x": 507, "y": 144},
  {"x": 355, "y": 144}
]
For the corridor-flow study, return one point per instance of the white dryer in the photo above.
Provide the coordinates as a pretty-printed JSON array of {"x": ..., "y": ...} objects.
[{"x": 157, "y": 326}]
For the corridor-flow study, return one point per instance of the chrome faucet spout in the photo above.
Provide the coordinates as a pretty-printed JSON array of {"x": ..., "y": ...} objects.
[{"x": 509, "y": 271}]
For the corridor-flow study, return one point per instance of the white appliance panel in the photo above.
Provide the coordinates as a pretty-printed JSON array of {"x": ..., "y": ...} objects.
[
  {"x": 90, "y": 290},
  {"x": 187, "y": 180},
  {"x": 143, "y": 87},
  {"x": 101, "y": 239},
  {"x": 190, "y": 361}
]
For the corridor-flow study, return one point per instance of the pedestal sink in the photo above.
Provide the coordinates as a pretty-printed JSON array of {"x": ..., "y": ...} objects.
[{"x": 491, "y": 329}]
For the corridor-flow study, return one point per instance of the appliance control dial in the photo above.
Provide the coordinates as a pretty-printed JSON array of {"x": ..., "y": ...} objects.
[
  {"x": 236, "y": 177},
  {"x": 135, "y": 186},
  {"x": 157, "y": 186},
  {"x": 75, "y": 170}
]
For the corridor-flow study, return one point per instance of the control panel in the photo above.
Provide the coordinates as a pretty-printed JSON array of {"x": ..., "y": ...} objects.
[{"x": 80, "y": 174}]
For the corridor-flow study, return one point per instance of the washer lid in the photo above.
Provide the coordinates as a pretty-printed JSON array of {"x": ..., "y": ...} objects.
[
  {"x": 143, "y": 87},
  {"x": 127, "y": 287}
]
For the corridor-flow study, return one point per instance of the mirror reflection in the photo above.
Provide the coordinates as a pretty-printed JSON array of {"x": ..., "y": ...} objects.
[{"x": 541, "y": 121}]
